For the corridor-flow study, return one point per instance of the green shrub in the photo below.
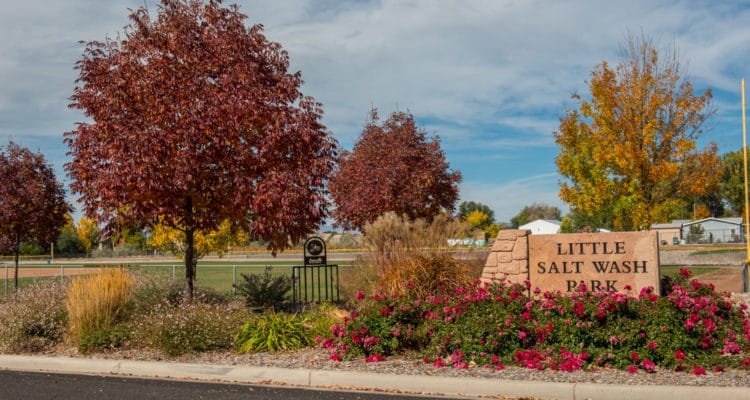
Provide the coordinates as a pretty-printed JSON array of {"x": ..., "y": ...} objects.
[
  {"x": 34, "y": 319},
  {"x": 272, "y": 332},
  {"x": 265, "y": 290},
  {"x": 189, "y": 327},
  {"x": 319, "y": 319},
  {"x": 100, "y": 340},
  {"x": 150, "y": 290}
]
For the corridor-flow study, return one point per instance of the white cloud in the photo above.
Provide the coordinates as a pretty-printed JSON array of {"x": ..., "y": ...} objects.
[
  {"x": 507, "y": 199},
  {"x": 485, "y": 75}
]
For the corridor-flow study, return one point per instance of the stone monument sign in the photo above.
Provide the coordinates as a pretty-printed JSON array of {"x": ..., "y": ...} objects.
[{"x": 602, "y": 261}]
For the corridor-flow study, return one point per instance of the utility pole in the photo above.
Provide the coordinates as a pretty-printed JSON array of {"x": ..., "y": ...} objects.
[{"x": 744, "y": 156}]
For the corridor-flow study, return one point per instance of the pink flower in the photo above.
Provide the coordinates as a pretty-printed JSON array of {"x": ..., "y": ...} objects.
[
  {"x": 499, "y": 367},
  {"x": 685, "y": 272},
  {"x": 439, "y": 363},
  {"x": 634, "y": 356},
  {"x": 697, "y": 370},
  {"x": 653, "y": 345},
  {"x": 495, "y": 359},
  {"x": 374, "y": 358},
  {"x": 335, "y": 357},
  {"x": 648, "y": 365},
  {"x": 632, "y": 369},
  {"x": 732, "y": 348},
  {"x": 426, "y": 360},
  {"x": 360, "y": 295},
  {"x": 679, "y": 354}
]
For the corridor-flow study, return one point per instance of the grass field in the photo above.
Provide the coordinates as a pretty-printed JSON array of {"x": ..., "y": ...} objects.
[
  {"x": 216, "y": 275},
  {"x": 698, "y": 270}
]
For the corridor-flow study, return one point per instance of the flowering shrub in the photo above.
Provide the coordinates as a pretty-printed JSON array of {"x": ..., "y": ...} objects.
[
  {"x": 691, "y": 328},
  {"x": 34, "y": 319},
  {"x": 189, "y": 327}
]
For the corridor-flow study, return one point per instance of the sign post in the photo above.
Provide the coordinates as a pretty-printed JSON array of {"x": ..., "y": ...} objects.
[
  {"x": 315, "y": 281},
  {"x": 315, "y": 251}
]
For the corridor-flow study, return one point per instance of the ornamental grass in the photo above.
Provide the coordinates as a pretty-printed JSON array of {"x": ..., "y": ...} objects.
[
  {"x": 412, "y": 252},
  {"x": 97, "y": 303}
]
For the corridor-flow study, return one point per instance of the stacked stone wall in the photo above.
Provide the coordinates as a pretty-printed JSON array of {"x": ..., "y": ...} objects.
[{"x": 509, "y": 258}]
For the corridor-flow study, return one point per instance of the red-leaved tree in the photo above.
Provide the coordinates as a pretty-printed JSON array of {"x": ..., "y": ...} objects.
[
  {"x": 32, "y": 201},
  {"x": 393, "y": 167},
  {"x": 194, "y": 120}
]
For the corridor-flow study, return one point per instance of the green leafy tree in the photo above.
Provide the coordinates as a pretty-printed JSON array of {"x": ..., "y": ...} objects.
[
  {"x": 68, "y": 243},
  {"x": 88, "y": 230},
  {"x": 629, "y": 153},
  {"x": 534, "y": 212},
  {"x": 467, "y": 207},
  {"x": 32, "y": 248},
  {"x": 733, "y": 181},
  {"x": 132, "y": 238},
  {"x": 576, "y": 221}
]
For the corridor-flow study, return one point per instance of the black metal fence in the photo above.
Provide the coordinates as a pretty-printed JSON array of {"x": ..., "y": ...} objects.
[{"x": 315, "y": 283}]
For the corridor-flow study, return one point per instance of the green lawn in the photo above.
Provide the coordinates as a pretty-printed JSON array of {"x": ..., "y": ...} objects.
[
  {"x": 673, "y": 270},
  {"x": 216, "y": 275},
  {"x": 717, "y": 251}
]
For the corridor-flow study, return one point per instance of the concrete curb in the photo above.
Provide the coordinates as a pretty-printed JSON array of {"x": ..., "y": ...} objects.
[{"x": 450, "y": 386}]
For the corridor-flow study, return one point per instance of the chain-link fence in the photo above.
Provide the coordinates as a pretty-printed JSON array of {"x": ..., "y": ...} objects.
[{"x": 221, "y": 277}]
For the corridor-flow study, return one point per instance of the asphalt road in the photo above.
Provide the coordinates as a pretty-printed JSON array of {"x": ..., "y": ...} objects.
[{"x": 46, "y": 386}]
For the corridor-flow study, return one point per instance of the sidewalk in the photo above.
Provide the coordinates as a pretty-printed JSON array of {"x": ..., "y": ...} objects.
[{"x": 416, "y": 384}]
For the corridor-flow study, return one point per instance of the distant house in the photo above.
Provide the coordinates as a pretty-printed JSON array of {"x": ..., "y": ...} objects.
[
  {"x": 714, "y": 230},
  {"x": 542, "y": 227},
  {"x": 669, "y": 233}
]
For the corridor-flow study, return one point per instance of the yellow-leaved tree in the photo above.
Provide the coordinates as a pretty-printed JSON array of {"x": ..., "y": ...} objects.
[
  {"x": 477, "y": 219},
  {"x": 218, "y": 241},
  {"x": 629, "y": 154},
  {"x": 89, "y": 232}
]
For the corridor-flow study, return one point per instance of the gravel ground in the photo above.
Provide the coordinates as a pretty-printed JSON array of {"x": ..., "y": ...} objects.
[{"x": 318, "y": 359}]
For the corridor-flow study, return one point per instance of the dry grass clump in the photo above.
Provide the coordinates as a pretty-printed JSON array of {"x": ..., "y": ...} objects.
[
  {"x": 97, "y": 303},
  {"x": 426, "y": 274},
  {"x": 412, "y": 253}
]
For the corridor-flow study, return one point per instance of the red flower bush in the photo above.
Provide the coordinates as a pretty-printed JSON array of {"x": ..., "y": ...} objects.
[{"x": 496, "y": 325}]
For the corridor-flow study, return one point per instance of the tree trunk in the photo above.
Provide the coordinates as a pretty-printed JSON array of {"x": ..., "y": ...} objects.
[
  {"x": 189, "y": 246},
  {"x": 15, "y": 274}
]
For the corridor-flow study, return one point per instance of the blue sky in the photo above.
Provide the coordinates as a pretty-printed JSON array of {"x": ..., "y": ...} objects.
[{"x": 491, "y": 78}]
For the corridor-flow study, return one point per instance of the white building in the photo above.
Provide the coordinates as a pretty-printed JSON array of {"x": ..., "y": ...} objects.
[
  {"x": 714, "y": 230},
  {"x": 542, "y": 227}
]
